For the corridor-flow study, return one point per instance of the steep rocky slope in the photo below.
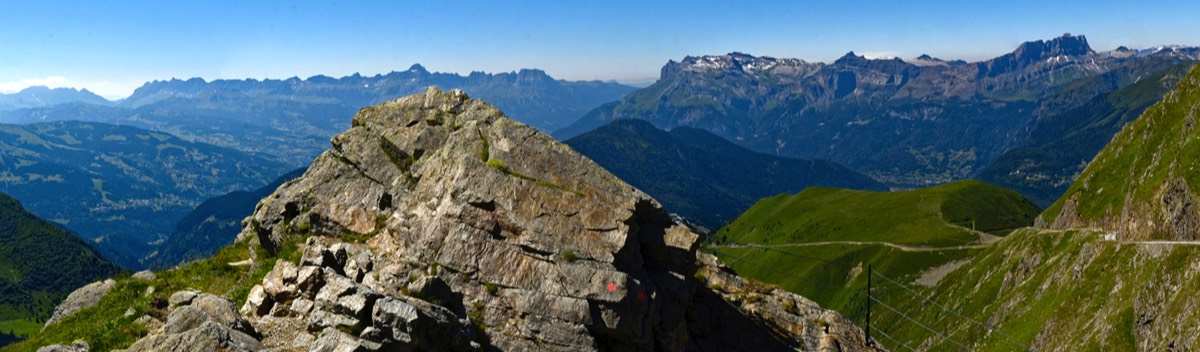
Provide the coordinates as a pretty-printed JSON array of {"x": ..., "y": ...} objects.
[
  {"x": 436, "y": 223},
  {"x": 701, "y": 176},
  {"x": 1140, "y": 185}
]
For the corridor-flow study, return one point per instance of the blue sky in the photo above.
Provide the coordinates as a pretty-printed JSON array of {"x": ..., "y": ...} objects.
[{"x": 113, "y": 47}]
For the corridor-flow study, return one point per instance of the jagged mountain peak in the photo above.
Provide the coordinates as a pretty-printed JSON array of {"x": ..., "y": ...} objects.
[
  {"x": 418, "y": 69},
  {"x": 502, "y": 225},
  {"x": 1066, "y": 45},
  {"x": 928, "y": 60},
  {"x": 1065, "y": 51},
  {"x": 732, "y": 62},
  {"x": 533, "y": 75}
]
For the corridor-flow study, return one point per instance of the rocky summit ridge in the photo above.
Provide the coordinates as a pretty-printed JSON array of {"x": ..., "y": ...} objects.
[{"x": 437, "y": 223}]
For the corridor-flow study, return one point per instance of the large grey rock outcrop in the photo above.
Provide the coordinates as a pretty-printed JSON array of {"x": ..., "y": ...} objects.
[
  {"x": 541, "y": 245},
  {"x": 435, "y": 223},
  {"x": 201, "y": 322},
  {"x": 82, "y": 298},
  {"x": 333, "y": 296}
]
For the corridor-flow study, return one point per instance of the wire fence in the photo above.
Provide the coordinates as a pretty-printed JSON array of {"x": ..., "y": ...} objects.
[{"x": 881, "y": 297}]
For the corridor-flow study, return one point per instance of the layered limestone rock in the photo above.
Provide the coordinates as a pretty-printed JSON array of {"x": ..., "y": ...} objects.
[{"x": 436, "y": 223}]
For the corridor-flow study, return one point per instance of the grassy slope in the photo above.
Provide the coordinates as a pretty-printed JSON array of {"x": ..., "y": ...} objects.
[
  {"x": 1156, "y": 148},
  {"x": 106, "y": 327},
  {"x": 1055, "y": 290},
  {"x": 19, "y": 327},
  {"x": 1072, "y": 290},
  {"x": 918, "y": 217},
  {"x": 833, "y": 274},
  {"x": 1051, "y": 290}
]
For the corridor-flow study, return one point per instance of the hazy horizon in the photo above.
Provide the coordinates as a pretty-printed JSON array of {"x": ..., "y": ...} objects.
[{"x": 111, "y": 49}]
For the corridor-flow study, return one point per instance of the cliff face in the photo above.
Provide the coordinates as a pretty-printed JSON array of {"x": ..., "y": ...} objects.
[
  {"x": 460, "y": 194},
  {"x": 436, "y": 223}
]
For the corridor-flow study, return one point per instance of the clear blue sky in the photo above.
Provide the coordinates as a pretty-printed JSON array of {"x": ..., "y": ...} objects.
[{"x": 113, "y": 46}]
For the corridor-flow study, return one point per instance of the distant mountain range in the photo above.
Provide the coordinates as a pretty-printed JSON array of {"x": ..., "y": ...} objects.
[
  {"x": 905, "y": 122},
  {"x": 701, "y": 176},
  {"x": 120, "y": 187},
  {"x": 38, "y": 96},
  {"x": 124, "y": 176},
  {"x": 530, "y": 95},
  {"x": 291, "y": 120}
]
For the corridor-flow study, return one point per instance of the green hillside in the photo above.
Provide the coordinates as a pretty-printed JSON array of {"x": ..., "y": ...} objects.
[
  {"x": 106, "y": 326},
  {"x": 936, "y": 216},
  {"x": 1030, "y": 290},
  {"x": 818, "y": 243},
  {"x": 40, "y": 264},
  {"x": 1140, "y": 184},
  {"x": 1045, "y": 290}
]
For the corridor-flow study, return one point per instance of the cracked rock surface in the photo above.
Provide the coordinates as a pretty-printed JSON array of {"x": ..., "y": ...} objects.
[{"x": 438, "y": 224}]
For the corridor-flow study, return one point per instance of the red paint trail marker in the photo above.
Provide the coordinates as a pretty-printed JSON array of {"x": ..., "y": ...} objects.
[{"x": 612, "y": 287}]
